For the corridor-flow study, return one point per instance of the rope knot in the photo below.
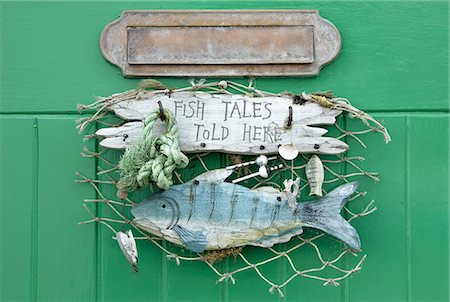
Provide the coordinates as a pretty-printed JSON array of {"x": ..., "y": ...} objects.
[
  {"x": 152, "y": 159},
  {"x": 332, "y": 282}
]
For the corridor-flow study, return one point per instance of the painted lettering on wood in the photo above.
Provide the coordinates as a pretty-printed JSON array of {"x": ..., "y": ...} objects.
[{"x": 229, "y": 123}]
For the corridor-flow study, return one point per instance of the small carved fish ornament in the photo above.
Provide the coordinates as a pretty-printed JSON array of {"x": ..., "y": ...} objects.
[
  {"x": 315, "y": 174},
  {"x": 128, "y": 247}
]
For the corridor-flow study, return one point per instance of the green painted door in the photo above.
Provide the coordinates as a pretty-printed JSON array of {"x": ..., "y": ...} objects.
[{"x": 394, "y": 64}]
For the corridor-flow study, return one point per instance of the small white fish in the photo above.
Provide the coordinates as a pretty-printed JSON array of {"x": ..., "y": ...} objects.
[
  {"x": 314, "y": 173},
  {"x": 128, "y": 247}
]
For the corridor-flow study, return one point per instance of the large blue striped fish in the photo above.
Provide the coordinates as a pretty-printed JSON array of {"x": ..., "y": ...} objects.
[{"x": 206, "y": 215}]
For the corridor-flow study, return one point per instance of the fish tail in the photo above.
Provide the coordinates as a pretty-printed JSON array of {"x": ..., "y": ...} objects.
[{"x": 324, "y": 214}]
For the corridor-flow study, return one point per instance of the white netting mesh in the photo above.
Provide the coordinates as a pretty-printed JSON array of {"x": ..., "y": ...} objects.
[{"x": 312, "y": 255}]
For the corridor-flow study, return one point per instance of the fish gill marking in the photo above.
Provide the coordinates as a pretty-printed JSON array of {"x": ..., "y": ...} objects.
[
  {"x": 212, "y": 197},
  {"x": 255, "y": 201},
  {"x": 233, "y": 202},
  {"x": 275, "y": 211},
  {"x": 192, "y": 194},
  {"x": 176, "y": 213}
]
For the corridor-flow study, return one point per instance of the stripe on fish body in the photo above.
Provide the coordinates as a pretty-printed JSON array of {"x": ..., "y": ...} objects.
[{"x": 208, "y": 215}]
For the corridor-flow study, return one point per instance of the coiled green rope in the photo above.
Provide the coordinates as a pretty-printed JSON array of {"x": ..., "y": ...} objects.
[{"x": 152, "y": 159}]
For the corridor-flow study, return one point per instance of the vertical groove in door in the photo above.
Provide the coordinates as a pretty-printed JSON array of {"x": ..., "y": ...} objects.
[
  {"x": 408, "y": 205},
  {"x": 164, "y": 288},
  {"x": 34, "y": 209}
]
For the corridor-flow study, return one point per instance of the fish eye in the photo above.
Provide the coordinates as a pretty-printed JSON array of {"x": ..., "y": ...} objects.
[{"x": 163, "y": 206}]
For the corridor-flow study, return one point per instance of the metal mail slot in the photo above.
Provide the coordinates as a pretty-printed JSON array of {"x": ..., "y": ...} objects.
[{"x": 221, "y": 45}]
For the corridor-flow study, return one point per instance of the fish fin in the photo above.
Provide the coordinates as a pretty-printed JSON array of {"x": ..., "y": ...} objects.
[
  {"x": 267, "y": 189},
  {"x": 276, "y": 237},
  {"x": 214, "y": 175},
  {"x": 271, "y": 191},
  {"x": 194, "y": 241},
  {"x": 324, "y": 214}
]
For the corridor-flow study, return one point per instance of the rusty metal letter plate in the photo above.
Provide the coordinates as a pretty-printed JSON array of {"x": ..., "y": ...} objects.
[{"x": 220, "y": 43}]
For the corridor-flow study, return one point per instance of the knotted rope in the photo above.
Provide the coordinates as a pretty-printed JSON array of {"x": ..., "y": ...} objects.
[{"x": 151, "y": 159}]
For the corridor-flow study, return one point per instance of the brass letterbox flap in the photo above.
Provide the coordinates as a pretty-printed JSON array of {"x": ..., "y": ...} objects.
[{"x": 220, "y": 43}]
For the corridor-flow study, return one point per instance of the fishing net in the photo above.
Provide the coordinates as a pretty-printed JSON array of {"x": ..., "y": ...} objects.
[{"x": 312, "y": 254}]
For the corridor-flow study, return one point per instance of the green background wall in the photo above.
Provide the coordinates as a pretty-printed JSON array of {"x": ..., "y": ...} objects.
[{"x": 394, "y": 64}]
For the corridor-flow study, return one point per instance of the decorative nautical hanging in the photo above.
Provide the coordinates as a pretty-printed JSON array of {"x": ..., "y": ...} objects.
[{"x": 259, "y": 201}]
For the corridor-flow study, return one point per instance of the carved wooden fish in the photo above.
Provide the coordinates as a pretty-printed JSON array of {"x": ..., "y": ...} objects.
[
  {"x": 315, "y": 174},
  {"x": 208, "y": 215},
  {"x": 128, "y": 247}
]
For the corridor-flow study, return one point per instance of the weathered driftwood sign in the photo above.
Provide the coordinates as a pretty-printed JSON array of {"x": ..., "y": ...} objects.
[{"x": 229, "y": 123}]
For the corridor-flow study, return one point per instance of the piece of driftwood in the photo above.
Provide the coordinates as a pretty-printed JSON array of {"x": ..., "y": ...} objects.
[{"x": 229, "y": 123}]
